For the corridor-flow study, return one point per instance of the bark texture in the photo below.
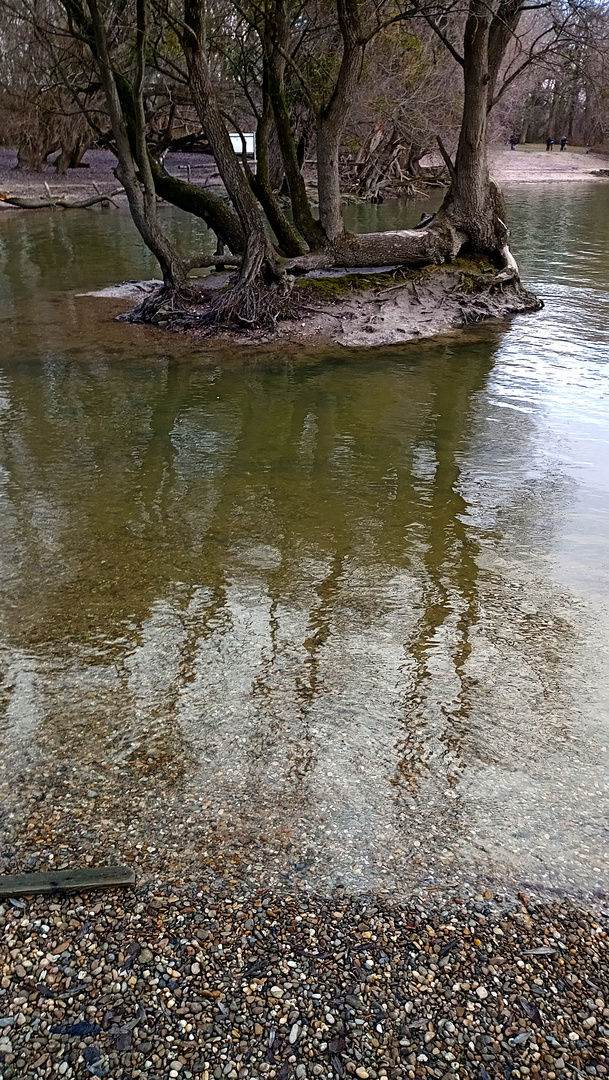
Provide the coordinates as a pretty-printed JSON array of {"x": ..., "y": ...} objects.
[
  {"x": 133, "y": 170},
  {"x": 331, "y": 120},
  {"x": 259, "y": 268}
]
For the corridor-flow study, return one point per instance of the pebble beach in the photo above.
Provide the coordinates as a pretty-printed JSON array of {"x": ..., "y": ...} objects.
[
  {"x": 220, "y": 982},
  {"x": 317, "y": 895}
]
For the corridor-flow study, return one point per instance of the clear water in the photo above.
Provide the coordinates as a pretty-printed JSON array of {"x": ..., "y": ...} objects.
[{"x": 306, "y": 616}]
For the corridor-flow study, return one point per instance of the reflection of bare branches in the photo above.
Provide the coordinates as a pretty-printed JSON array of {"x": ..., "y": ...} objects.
[{"x": 449, "y": 601}]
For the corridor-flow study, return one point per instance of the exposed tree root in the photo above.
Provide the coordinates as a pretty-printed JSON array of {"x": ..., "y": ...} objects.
[
  {"x": 254, "y": 305},
  {"x": 238, "y": 307},
  {"x": 165, "y": 303},
  {"x": 351, "y": 308}
]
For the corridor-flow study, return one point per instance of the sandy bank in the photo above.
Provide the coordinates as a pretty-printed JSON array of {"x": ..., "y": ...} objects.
[
  {"x": 534, "y": 165},
  {"x": 525, "y": 165},
  {"x": 360, "y": 309}
]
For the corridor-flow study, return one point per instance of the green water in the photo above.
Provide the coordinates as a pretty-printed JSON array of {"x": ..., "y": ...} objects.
[{"x": 340, "y": 616}]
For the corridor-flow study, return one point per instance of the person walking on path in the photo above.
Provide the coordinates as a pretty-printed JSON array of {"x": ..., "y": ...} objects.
[
  {"x": 513, "y": 139},
  {"x": 549, "y": 142},
  {"x": 563, "y": 143}
]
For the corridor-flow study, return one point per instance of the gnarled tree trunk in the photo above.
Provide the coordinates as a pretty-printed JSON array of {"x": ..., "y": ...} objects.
[
  {"x": 259, "y": 265},
  {"x": 133, "y": 168}
]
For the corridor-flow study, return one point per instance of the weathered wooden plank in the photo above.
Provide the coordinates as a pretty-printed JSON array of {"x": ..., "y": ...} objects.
[{"x": 98, "y": 877}]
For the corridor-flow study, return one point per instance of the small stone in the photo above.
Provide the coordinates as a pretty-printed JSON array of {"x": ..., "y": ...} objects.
[
  {"x": 276, "y": 991},
  {"x": 294, "y": 1033},
  {"x": 559, "y": 1063},
  {"x": 195, "y": 968},
  {"x": 362, "y": 1073},
  {"x": 354, "y": 1002},
  {"x": 301, "y": 1071},
  {"x": 482, "y": 992},
  {"x": 176, "y": 1066}
]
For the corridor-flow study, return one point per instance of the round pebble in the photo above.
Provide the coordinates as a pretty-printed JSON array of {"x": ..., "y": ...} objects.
[{"x": 166, "y": 981}]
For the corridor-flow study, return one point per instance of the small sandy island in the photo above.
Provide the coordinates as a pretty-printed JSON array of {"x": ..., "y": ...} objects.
[
  {"x": 377, "y": 306},
  {"x": 358, "y": 308}
]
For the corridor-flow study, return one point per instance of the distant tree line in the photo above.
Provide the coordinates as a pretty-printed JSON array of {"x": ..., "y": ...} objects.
[{"x": 361, "y": 88}]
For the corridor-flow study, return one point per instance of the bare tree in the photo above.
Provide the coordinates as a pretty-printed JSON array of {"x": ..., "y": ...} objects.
[{"x": 252, "y": 61}]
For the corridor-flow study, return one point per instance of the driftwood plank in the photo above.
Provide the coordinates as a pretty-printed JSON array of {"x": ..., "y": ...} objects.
[{"x": 100, "y": 877}]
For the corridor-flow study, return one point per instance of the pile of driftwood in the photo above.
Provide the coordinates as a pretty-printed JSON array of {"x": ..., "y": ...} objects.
[
  {"x": 52, "y": 202},
  {"x": 388, "y": 162}
]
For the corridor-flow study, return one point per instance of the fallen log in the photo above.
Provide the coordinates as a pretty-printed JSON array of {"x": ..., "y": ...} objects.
[{"x": 51, "y": 202}]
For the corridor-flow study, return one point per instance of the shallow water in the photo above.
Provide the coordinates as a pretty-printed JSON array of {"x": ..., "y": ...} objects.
[{"x": 311, "y": 617}]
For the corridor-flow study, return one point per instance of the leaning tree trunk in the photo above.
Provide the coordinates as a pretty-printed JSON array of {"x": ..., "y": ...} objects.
[
  {"x": 260, "y": 182},
  {"x": 133, "y": 170},
  {"x": 259, "y": 272},
  {"x": 276, "y": 43}
]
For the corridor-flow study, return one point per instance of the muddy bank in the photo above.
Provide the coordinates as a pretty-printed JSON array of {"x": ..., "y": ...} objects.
[{"x": 357, "y": 309}]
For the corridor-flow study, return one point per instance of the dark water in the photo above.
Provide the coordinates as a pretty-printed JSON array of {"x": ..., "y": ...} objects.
[{"x": 320, "y": 616}]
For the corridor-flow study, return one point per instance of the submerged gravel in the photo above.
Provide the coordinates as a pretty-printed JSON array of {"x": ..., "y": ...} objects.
[{"x": 241, "y": 984}]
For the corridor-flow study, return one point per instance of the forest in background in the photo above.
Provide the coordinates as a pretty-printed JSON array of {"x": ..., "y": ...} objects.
[
  {"x": 361, "y": 90},
  {"x": 409, "y": 91}
]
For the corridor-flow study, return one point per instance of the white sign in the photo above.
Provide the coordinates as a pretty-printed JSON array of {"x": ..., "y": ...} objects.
[{"x": 250, "y": 142}]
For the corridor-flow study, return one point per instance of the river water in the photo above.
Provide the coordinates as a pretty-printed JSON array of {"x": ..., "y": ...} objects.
[{"x": 309, "y": 618}]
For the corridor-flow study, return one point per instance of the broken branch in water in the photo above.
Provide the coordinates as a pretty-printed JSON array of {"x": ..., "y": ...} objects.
[{"x": 62, "y": 201}]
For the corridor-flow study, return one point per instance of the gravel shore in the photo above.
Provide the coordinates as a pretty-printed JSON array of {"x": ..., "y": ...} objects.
[{"x": 225, "y": 982}]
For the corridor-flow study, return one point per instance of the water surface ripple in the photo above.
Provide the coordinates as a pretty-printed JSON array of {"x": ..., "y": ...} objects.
[{"x": 311, "y": 617}]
